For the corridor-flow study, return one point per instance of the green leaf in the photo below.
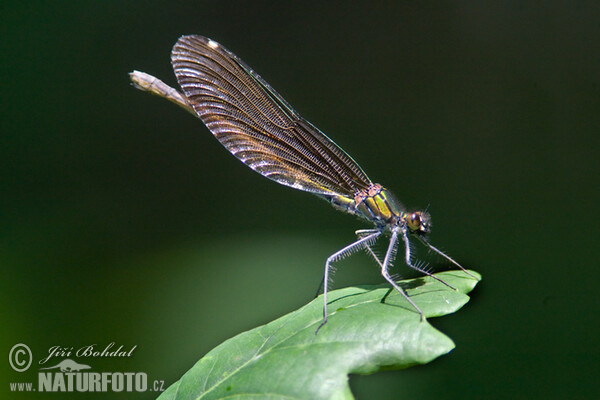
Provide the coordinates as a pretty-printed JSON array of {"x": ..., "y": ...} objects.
[{"x": 370, "y": 328}]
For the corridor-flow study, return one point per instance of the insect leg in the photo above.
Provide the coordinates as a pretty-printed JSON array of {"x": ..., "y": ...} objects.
[
  {"x": 386, "y": 264},
  {"x": 360, "y": 243},
  {"x": 417, "y": 267},
  {"x": 361, "y": 233},
  {"x": 410, "y": 264},
  {"x": 447, "y": 257}
]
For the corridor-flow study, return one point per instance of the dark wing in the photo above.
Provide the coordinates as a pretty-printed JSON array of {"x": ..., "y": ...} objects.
[{"x": 257, "y": 125}]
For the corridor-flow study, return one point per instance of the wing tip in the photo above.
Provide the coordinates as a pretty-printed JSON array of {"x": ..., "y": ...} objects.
[{"x": 193, "y": 41}]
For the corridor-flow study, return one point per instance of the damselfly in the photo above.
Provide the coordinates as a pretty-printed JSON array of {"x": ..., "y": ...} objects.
[{"x": 261, "y": 129}]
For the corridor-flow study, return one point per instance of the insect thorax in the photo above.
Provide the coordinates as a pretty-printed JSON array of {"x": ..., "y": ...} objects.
[{"x": 375, "y": 204}]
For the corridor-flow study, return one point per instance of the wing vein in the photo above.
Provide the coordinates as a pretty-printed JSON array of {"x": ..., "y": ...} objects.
[{"x": 257, "y": 125}]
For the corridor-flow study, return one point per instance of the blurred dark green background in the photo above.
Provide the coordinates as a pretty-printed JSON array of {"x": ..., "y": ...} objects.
[{"x": 123, "y": 220}]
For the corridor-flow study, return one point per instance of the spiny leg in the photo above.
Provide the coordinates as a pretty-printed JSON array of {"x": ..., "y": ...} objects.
[
  {"x": 361, "y": 233},
  {"x": 413, "y": 266},
  {"x": 335, "y": 257},
  {"x": 447, "y": 257},
  {"x": 384, "y": 270},
  {"x": 416, "y": 266},
  {"x": 365, "y": 232}
]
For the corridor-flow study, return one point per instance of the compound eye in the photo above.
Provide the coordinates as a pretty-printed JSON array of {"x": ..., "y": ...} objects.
[{"x": 414, "y": 221}]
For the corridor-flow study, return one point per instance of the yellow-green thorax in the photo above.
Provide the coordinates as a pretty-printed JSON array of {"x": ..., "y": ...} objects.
[{"x": 379, "y": 205}]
